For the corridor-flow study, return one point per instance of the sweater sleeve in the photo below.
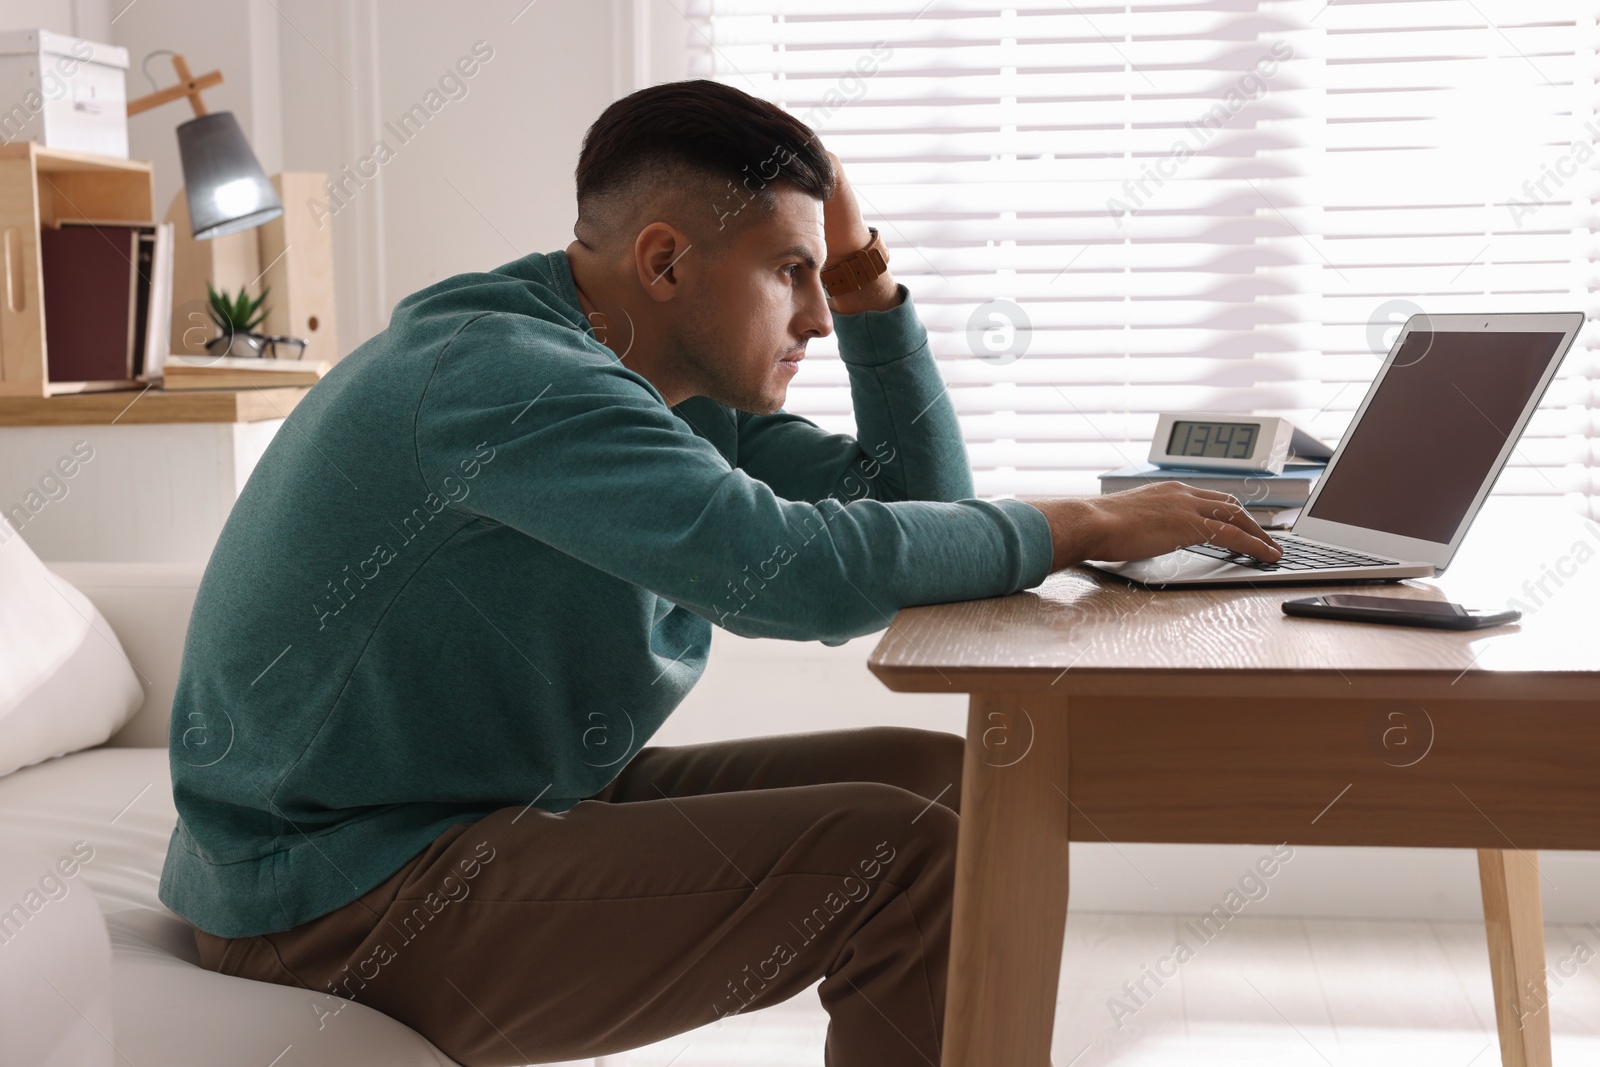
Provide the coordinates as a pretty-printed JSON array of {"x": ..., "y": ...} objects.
[
  {"x": 908, "y": 443},
  {"x": 571, "y": 448}
]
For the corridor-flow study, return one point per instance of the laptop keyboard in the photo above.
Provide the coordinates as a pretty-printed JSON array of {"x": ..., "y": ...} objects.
[{"x": 1297, "y": 556}]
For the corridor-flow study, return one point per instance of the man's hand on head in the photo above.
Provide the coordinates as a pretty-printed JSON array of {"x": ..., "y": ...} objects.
[
  {"x": 845, "y": 231},
  {"x": 1150, "y": 521}
]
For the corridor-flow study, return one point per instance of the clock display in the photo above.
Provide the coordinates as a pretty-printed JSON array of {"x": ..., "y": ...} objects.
[{"x": 1216, "y": 440}]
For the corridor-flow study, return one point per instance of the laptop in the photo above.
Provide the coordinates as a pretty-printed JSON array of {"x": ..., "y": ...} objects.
[{"x": 1425, "y": 447}]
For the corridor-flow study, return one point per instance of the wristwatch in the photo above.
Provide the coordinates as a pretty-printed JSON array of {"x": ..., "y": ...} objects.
[{"x": 858, "y": 269}]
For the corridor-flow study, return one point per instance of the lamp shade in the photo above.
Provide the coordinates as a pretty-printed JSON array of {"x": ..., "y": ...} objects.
[{"x": 228, "y": 191}]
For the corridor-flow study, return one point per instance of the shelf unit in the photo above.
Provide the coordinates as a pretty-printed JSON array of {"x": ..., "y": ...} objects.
[{"x": 39, "y": 187}]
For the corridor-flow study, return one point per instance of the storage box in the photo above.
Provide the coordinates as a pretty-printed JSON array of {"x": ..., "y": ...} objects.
[{"x": 63, "y": 92}]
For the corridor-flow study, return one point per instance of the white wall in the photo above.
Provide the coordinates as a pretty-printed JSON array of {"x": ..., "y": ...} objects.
[
  {"x": 81, "y": 18},
  {"x": 489, "y": 177}
]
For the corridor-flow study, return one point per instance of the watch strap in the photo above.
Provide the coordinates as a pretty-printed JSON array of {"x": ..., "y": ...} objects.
[{"x": 858, "y": 269}]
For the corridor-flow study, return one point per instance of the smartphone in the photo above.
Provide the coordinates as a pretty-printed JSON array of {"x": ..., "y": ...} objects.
[{"x": 1397, "y": 611}]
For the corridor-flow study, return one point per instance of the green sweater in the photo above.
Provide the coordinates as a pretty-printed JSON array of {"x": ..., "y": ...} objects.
[{"x": 479, "y": 564}]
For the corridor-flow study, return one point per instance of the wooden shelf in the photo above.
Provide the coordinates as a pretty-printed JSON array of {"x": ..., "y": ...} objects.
[
  {"x": 39, "y": 187},
  {"x": 131, "y": 406},
  {"x": 53, "y": 160}
]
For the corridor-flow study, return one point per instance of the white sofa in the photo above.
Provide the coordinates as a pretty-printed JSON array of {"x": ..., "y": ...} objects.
[{"x": 165, "y": 1010}]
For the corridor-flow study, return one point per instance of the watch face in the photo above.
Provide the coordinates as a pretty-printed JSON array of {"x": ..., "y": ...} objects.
[{"x": 1213, "y": 440}]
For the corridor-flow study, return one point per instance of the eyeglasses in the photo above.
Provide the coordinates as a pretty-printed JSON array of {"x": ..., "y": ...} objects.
[
  {"x": 284, "y": 348},
  {"x": 267, "y": 347}
]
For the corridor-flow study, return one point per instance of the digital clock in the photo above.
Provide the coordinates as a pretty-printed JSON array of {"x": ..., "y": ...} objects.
[{"x": 1252, "y": 443}]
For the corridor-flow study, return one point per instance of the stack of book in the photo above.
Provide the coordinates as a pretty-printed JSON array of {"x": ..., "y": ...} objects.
[
  {"x": 1274, "y": 500},
  {"x": 107, "y": 300},
  {"x": 233, "y": 372}
]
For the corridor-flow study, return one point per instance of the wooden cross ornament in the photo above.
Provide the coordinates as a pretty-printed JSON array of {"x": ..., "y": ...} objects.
[{"x": 188, "y": 85}]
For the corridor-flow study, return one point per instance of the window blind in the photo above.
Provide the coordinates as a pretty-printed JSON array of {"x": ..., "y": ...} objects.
[{"x": 1108, "y": 211}]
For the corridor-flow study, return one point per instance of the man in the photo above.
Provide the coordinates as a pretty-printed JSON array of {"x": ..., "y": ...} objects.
[{"x": 479, "y": 566}]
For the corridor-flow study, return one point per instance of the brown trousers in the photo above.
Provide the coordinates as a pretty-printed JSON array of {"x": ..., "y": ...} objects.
[{"x": 705, "y": 880}]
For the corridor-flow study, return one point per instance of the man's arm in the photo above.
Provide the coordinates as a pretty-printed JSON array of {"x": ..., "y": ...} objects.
[
  {"x": 1149, "y": 521},
  {"x": 600, "y": 470},
  {"x": 1138, "y": 524},
  {"x": 908, "y": 442}
]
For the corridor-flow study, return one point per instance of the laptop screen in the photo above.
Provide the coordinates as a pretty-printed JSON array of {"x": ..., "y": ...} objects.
[{"x": 1432, "y": 431}]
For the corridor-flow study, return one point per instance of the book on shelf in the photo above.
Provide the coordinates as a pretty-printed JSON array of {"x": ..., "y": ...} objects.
[
  {"x": 234, "y": 372},
  {"x": 90, "y": 292},
  {"x": 144, "y": 261},
  {"x": 1291, "y": 489},
  {"x": 158, "y": 331}
]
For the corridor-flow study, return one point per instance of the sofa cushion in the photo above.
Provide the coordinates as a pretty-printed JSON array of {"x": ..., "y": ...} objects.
[
  {"x": 55, "y": 965},
  {"x": 65, "y": 683},
  {"x": 167, "y": 1009}
]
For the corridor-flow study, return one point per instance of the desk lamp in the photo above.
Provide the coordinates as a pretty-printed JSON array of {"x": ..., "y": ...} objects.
[{"x": 228, "y": 190}]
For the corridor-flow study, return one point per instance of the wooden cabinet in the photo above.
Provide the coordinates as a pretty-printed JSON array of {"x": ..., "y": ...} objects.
[
  {"x": 38, "y": 187},
  {"x": 143, "y": 476}
]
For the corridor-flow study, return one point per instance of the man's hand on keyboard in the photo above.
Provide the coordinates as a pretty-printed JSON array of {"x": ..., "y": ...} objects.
[{"x": 1149, "y": 521}]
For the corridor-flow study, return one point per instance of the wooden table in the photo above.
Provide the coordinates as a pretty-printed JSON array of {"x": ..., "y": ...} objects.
[{"x": 1100, "y": 711}]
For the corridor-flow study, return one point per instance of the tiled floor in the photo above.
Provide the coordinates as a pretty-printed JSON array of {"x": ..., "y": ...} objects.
[{"x": 1271, "y": 992}]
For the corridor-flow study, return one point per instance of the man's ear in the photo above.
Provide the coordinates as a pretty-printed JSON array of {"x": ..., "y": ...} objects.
[{"x": 658, "y": 259}]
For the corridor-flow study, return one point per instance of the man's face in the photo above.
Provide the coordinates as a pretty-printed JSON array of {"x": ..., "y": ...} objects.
[{"x": 758, "y": 300}]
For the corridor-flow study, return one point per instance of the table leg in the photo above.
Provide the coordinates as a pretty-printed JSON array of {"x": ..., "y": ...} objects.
[
  {"x": 1514, "y": 919},
  {"x": 1011, "y": 884}
]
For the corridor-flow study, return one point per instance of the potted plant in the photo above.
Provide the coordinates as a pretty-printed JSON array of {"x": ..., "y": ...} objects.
[{"x": 237, "y": 317}]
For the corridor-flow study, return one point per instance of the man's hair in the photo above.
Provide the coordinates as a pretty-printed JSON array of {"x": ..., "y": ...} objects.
[{"x": 689, "y": 140}]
